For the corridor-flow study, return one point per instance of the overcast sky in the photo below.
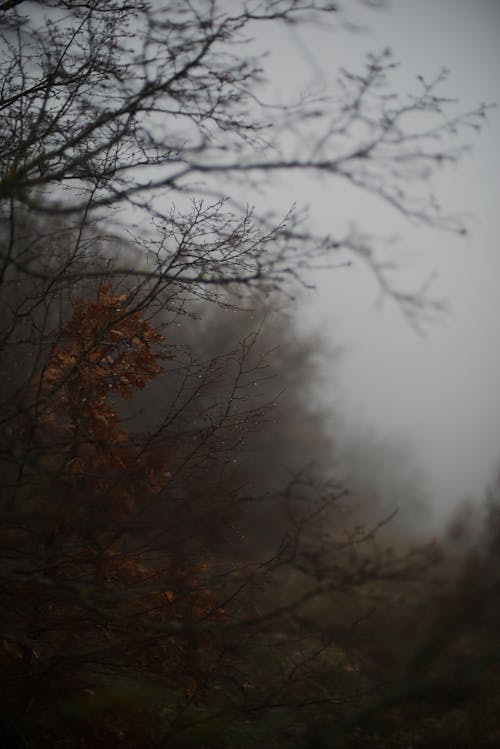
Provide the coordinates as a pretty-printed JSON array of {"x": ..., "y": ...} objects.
[{"x": 442, "y": 391}]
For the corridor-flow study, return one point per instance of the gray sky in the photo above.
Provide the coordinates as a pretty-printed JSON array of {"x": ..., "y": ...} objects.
[{"x": 442, "y": 391}]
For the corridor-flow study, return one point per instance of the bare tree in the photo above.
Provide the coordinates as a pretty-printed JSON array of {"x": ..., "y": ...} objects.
[
  {"x": 127, "y": 132},
  {"x": 152, "y": 111}
]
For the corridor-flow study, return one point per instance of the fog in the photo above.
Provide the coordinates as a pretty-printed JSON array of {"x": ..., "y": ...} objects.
[
  {"x": 234, "y": 508},
  {"x": 436, "y": 389},
  {"x": 432, "y": 390}
]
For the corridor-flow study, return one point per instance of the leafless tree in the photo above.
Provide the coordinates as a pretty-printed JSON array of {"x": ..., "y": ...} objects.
[
  {"x": 150, "y": 112},
  {"x": 128, "y": 134}
]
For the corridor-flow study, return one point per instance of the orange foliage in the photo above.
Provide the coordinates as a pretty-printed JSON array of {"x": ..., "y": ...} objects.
[
  {"x": 109, "y": 351},
  {"x": 90, "y": 593}
]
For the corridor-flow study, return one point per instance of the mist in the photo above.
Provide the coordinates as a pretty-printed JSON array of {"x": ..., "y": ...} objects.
[
  {"x": 249, "y": 375},
  {"x": 436, "y": 388}
]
